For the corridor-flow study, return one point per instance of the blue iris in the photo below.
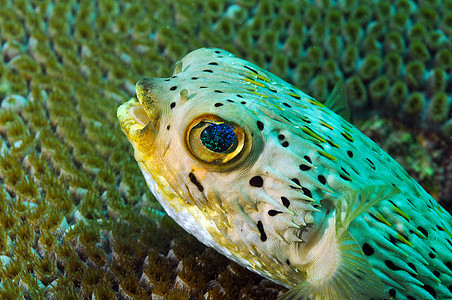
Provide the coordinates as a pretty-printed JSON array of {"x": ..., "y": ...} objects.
[{"x": 218, "y": 137}]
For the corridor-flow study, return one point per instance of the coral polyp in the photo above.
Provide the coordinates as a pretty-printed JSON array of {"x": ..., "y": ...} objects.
[{"x": 68, "y": 180}]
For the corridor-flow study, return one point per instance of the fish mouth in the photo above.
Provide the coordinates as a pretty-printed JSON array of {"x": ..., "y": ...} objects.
[
  {"x": 139, "y": 117},
  {"x": 132, "y": 116},
  {"x": 137, "y": 113}
]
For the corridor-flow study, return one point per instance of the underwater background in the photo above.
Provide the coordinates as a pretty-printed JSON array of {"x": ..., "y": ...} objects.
[{"x": 76, "y": 218}]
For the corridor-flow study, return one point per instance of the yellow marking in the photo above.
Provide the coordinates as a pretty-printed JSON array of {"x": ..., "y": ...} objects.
[
  {"x": 347, "y": 136},
  {"x": 293, "y": 95},
  {"x": 419, "y": 234},
  {"x": 439, "y": 209},
  {"x": 262, "y": 78},
  {"x": 445, "y": 230},
  {"x": 400, "y": 212},
  {"x": 270, "y": 103},
  {"x": 326, "y": 125},
  {"x": 254, "y": 82},
  {"x": 305, "y": 119},
  {"x": 322, "y": 110},
  {"x": 308, "y": 131},
  {"x": 403, "y": 240},
  {"x": 346, "y": 128},
  {"x": 259, "y": 94},
  {"x": 329, "y": 156},
  {"x": 333, "y": 144},
  {"x": 315, "y": 103},
  {"x": 382, "y": 219}
]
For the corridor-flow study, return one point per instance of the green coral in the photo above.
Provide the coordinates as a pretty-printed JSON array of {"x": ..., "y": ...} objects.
[{"x": 70, "y": 190}]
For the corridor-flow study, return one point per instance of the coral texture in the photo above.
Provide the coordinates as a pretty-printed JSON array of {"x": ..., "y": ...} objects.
[{"x": 76, "y": 217}]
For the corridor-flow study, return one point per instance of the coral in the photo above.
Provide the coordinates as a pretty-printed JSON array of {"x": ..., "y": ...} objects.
[{"x": 76, "y": 217}]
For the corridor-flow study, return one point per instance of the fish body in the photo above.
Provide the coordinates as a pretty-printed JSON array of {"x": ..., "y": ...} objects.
[{"x": 281, "y": 184}]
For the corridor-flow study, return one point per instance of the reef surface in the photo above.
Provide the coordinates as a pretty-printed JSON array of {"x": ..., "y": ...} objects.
[{"x": 76, "y": 218}]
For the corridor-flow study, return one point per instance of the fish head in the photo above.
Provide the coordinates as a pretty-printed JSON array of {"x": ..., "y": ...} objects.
[{"x": 213, "y": 150}]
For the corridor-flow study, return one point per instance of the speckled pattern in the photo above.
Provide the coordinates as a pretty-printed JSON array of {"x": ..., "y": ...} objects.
[{"x": 70, "y": 190}]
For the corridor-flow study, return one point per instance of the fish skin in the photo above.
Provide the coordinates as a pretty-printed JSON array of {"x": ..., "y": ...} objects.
[{"x": 307, "y": 201}]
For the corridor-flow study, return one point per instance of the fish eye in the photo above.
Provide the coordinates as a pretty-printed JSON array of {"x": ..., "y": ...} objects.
[
  {"x": 214, "y": 140},
  {"x": 218, "y": 137}
]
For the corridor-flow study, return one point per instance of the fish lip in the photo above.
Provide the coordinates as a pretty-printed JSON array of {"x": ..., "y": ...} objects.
[{"x": 132, "y": 117}]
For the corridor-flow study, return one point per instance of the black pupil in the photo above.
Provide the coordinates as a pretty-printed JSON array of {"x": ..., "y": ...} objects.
[{"x": 218, "y": 137}]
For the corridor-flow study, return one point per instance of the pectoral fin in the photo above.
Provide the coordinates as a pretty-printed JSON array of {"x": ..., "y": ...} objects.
[
  {"x": 337, "y": 101},
  {"x": 338, "y": 268}
]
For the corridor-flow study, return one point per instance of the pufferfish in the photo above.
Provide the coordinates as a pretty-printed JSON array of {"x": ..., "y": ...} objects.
[{"x": 283, "y": 185}]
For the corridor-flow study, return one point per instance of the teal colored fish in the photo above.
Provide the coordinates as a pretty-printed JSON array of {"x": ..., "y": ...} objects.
[{"x": 281, "y": 184}]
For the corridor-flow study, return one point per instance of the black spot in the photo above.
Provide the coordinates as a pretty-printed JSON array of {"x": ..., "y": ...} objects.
[
  {"x": 296, "y": 181},
  {"x": 240, "y": 96},
  {"x": 372, "y": 165},
  {"x": 422, "y": 229},
  {"x": 285, "y": 118},
  {"x": 350, "y": 153},
  {"x": 345, "y": 171},
  {"x": 392, "y": 292},
  {"x": 281, "y": 137},
  {"x": 439, "y": 228},
  {"x": 273, "y": 212},
  {"x": 332, "y": 144},
  {"x": 412, "y": 266},
  {"x": 347, "y": 137},
  {"x": 430, "y": 290},
  {"x": 273, "y": 90},
  {"x": 202, "y": 87},
  {"x": 168, "y": 127},
  {"x": 173, "y": 88},
  {"x": 286, "y": 104},
  {"x": 195, "y": 182},
  {"x": 285, "y": 144},
  {"x": 260, "y": 125},
  {"x": 172, "y": 105},
  {"x": 174, "y": 76},
  {"x": 288, "y": 262},
  {"x": 242, "y": 102},
  {"x": 261, "y": 230},
  {"x": 213, "y": 63},
  {"x": 431, "y": 255},
  {"x": 207, "y": 71},
  {"x": 304, "y": 167},
  {"x": 252, "y": 70},
  {"x": 218, "y": 104},
  {"x": 307, "y": 158},
  {"x": 217, "y": 52},
  {"x": 296, "y": 96},
  {"x": 367, "y": 249},
  {"x": 391, "y": 265},
  {"x": 449, "y": 265},
  {"x": 392, "y": 239},
  {"x": 285, "y": 202},
  {"x": 167, "y": 79},
  {"x": 344, "y": 177},
  {"x": 322, "y": 179},
  {"x": 436, "y": 273},
  {"x": 194, "y": 78},
  {"x": 257, "y": 181},
  {"x": 307, "y": 192},
  {"x": 229, "y": 100},
  {"x": 218, "y": 91},
  {"x": 306, "y": 120}
]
